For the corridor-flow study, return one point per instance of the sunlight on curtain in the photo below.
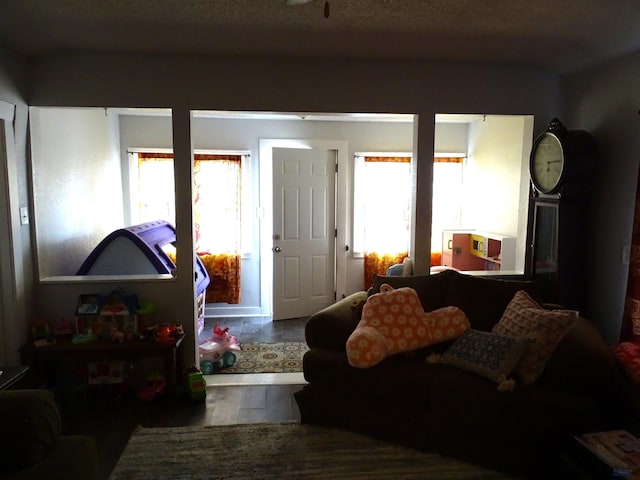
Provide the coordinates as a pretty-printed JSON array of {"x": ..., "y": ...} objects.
[
  {"x": 217, "y": 203},
  {"x": 385, "y": 196},
  {"x": 216, "y": 208},
  {"x": 156, "y": 194},
  {"x": 224, "y": 272},
  {"x": 218, "y": 223}
]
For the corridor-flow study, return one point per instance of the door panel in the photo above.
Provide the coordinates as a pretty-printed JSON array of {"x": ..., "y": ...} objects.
[{"x": 303, "y": 231}]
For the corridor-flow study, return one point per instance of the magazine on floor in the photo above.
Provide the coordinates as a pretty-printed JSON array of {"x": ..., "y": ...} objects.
[{"x": 617, "y": 448}]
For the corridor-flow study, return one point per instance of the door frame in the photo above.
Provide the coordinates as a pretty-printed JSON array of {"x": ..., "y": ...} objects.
[
  {"x": 265, "y": 212},
  {"x": 12, "y": 276}
]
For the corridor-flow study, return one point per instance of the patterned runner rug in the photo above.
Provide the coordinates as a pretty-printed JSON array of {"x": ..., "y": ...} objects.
[
  {"x": 285, "y": 357},
  {"x": 282, "y": 451}
]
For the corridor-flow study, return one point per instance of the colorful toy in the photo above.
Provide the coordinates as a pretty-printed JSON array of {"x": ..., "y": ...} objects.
[
  {"x": 40, "y": 329},
  {"x": 218, "y": 351},
  {"x": 154, "y": 386},
  {"x": 168, "y": 332},
  {"x": 62, "y": 328},
  {"x": 196, "y": 384},
  {"x": 117, "y": 335}
]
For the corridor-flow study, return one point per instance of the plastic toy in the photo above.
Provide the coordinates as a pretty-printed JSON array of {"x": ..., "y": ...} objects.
[
  {"x": 117, "y": 335},
  {"x": 218, "y": 351},
  {"x": 168, "y": 332},
  {"x": 196, "y": 384},
  {"x": 154, "y": 386}
]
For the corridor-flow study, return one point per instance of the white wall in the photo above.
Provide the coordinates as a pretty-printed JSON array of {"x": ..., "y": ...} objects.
[
  {"x": 497, "y": 178},
  {"x": 17, "y": 281},
  {"x": 605, "y": 102},
  {"x": 451, "y": 137},
  {"x": 76, "y": 170}
]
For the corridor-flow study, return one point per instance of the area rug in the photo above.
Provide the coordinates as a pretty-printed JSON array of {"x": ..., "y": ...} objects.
[
  {"x": 282, "y": 451},
  {"x": 284, "y": 357}
]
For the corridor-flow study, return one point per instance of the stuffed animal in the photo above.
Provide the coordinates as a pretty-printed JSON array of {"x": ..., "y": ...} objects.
[{"x": 393, "y": 321}]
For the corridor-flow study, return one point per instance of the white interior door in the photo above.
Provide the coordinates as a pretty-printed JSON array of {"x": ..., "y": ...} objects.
[{"x": 303, "y": 231}]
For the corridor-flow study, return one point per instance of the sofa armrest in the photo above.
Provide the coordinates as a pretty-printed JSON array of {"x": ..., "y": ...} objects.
[
  {"x": 582, "y": 363},
  {"x": 31, "y": 422},
  {"x": 331, "y": 327}
]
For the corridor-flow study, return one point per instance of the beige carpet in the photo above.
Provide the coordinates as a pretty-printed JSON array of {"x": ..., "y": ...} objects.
[
  {"x": 281, "y": 451},
  {"x": 284, "y": 357}
]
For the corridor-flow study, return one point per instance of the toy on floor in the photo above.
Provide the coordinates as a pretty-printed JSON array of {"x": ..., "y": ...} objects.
[
  {"x": 196, "y": 384},
  {"x": 218, "y": 351}
]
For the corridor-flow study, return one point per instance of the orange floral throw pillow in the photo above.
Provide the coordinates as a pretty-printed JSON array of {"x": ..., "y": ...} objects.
[
  {"x": 524, "y": 317},
  {"x": 393, "y": 321}
]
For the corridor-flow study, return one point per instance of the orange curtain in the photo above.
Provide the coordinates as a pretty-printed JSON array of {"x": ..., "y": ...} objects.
[
  {"x": 224, "y": 272},
  {"x": 630, "y": 330},
  {"x": 375, "y": 264},
  {"x": 388, "y": 159}
]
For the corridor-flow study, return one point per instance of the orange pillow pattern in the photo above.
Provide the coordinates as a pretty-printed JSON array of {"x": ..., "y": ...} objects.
[
  {"x": 524, "y": 317},
  {"x": 393, "y": 321}
]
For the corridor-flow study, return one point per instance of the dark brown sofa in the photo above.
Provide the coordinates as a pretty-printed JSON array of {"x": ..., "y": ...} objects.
[
  {"x": 441, "y": 408},
  {"x": 32, "y": 445}
]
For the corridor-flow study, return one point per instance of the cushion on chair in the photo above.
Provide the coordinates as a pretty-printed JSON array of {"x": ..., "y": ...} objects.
[{"x": 33, "y": 420}]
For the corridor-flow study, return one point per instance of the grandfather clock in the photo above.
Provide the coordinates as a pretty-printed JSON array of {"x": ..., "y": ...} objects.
[{"x": 561, "y": 166}]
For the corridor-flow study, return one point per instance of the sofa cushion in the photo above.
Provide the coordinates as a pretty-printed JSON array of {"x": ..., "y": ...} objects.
[
  {"x": 431, "y": 289},
  {"x": 468, "y": 400},
  {"x": 488, "y": 354},
  {"x": 525, "y": 318},
  {"x": 393, "y": 321},
  {"x": 582, "y": 363},
  {"x": 331, "y": 326},
  {"x": 400, "y": 376},
  {"x": 483, "y": 299}
]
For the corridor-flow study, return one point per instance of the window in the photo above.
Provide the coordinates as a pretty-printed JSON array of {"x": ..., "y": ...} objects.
[
  {"x": 217, "y": 197},
  {"x": 382, "y": 199},
  {"x": 217, "y": 208},
  {"x": 217, "y": 203}
]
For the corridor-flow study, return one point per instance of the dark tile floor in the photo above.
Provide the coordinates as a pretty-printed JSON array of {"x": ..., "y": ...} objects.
[{"x": 258, "y": 329}]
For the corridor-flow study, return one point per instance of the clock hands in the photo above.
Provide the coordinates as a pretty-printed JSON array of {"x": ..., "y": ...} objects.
[{"x": 549, "y": 162}]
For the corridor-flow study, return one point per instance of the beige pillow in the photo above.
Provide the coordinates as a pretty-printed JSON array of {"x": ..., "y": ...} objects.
[{"x": 525, "y": 318}]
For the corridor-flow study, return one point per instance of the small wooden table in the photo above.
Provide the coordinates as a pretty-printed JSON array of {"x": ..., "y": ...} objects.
[
  {"x": 11, "y": 375},
  {"x": 37, "y": 358}
]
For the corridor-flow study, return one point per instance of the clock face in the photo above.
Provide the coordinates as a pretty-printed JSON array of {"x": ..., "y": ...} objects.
[{"x": 547, "y": 163}]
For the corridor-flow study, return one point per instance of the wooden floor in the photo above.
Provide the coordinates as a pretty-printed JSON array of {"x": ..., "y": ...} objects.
[{"x": 112, "y": 423}]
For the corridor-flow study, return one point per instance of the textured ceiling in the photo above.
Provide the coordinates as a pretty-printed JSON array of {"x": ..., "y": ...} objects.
[{"x": 559, "y": 35}]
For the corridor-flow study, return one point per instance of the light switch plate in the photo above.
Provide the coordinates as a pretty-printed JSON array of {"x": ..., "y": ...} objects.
[{"x": 24, "y": 216}]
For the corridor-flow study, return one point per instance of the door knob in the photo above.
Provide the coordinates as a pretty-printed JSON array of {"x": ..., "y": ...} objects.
[{"x": 277, "y": 249}]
